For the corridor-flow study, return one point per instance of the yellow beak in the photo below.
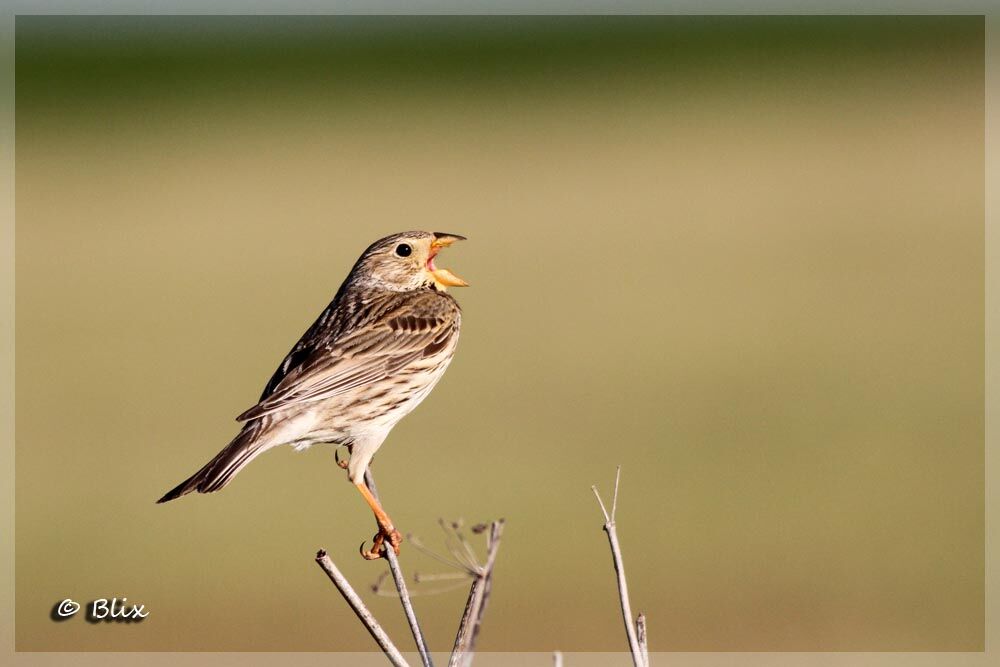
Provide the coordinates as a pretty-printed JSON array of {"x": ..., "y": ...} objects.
[{"x": 443, "y": 278}]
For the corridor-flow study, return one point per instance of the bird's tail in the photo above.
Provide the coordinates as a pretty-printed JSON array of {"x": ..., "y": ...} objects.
[{"x": 220, "y": 470}]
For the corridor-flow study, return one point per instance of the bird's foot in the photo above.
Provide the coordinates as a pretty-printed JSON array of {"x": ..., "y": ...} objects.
[
  {"x": 340, "y": 462},
  {"x": 377, "y": 551}
]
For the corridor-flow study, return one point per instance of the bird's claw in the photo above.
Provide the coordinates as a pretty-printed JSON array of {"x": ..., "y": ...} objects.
[
  {"x": 377, "y": 551},
  {"x": 342, "y": 463}
]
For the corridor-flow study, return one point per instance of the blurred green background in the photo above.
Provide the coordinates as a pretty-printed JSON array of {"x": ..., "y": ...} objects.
[{"x": 743, "y": 257}]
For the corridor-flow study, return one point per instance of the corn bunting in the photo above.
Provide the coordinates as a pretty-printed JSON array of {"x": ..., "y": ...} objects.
[{"x": 372, "y": 356}]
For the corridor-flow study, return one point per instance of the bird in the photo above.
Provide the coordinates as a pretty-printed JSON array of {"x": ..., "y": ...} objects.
[{"x": 374, "y": 353}]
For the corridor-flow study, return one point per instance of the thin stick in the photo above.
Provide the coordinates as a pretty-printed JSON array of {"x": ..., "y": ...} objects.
[
  {"x": 404, "y": 594},
  {"x": 604, "y": 511},
  {"x": 616, "y": 556},
  {"x": 464, "y": 627},
  {"x": 458, "y": 546},
  {"x": 492, "y": 545},
  {"x": 427, "y": 552},
  {"x": 475, "y": 606},
  {"x": 365, "y": 616},
  {"x": 614, "y": 499},
  {"x": 640, "y": 631}
]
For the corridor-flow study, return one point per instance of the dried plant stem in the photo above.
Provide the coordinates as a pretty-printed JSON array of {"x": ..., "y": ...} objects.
[
  {"x": 475, "y": 606},
  {"x": 365, "y": 616},
  {"x": 404, "y": 594},
  {"x": 616, "y": 556},
  {"x": 640, "y": 631},
  {"x": 492, "y": 545}
]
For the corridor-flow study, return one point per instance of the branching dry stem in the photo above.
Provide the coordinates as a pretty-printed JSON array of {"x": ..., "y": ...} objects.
[
  {"x": 616, "y": 555},
  {"x": 479, "y": 592}
]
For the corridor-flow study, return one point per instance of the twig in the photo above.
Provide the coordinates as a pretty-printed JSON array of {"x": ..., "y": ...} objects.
[
  {"x": 365, "y": 616},
  {"x": 616, "y": 555},
  {"x": 640, "y": 631},
  {"x": 458, "y": 546},
  {"x": 416, "y": 543},
  {"x": 404, "y": 594},
  {"x": 457, "y": 579},
  {"x": 475, "y": 606},
  {"x": 492, "y": 545}
]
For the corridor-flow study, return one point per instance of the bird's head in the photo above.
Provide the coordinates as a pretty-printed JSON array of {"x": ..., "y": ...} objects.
[{"x": 405, "y": 261}]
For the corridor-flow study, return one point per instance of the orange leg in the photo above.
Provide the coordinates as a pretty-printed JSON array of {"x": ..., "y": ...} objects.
[{"x": 385, "y": 532}]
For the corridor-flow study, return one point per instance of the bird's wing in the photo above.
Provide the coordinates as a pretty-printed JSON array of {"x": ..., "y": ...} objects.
[
  {"x": 315, "y": 339},
  {"x": 363, "y": 354}
]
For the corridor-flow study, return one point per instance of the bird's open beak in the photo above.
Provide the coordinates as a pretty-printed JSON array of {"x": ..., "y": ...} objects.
[{"x": 443, "y": 277}]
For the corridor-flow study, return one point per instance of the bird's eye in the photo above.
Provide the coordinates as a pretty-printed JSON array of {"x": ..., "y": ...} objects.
[{"x": 403, "y": 250}]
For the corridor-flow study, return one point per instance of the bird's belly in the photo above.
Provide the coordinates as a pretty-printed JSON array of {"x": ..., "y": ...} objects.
[
  {"x": 381, "y": 408},
  {"x": 368, "y": 414},
  {"x": 305, "y": 428}
]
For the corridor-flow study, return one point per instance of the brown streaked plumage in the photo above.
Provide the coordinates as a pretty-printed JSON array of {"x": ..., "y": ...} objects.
[{"x": 369, "y": 359}]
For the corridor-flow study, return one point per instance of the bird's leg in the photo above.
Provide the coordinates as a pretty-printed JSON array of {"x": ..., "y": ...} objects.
[{"x": 386, "y": 531}]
